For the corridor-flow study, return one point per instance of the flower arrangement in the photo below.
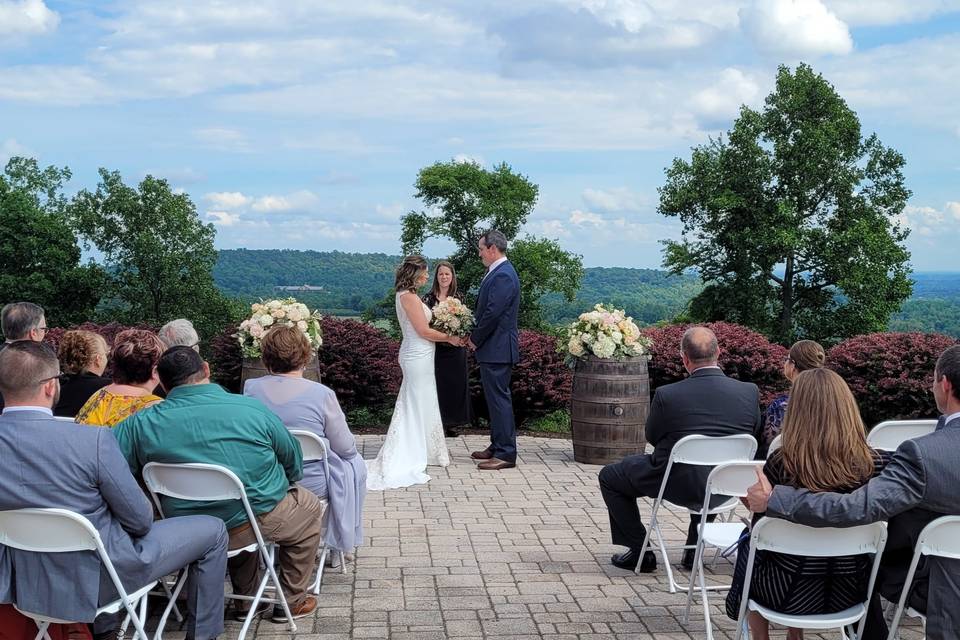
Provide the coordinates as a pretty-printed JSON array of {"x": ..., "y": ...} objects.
[
  {"x": 453, "y": 317},
  {"x": 266, "y": 313},
  {"x": 606, "y": 333}
]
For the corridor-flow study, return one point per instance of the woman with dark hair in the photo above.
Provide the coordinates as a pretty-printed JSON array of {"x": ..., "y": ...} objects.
[
  {"x": 824, "y": 449},
  {"x": 450, "y": 362},
  {"x": 311, "y": 406},
  {"x": 83, "y": 358},
  {"x": 135, "y": 355},
  {"x": 803, "y": 356},
  {"x": 415, "y": 437}
]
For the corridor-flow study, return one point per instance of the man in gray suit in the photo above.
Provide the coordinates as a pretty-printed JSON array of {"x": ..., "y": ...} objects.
[
  {"x": 921, "y": 483},
  {"x": 21, "y": 321},
  {"x": 45, "y": 463}
]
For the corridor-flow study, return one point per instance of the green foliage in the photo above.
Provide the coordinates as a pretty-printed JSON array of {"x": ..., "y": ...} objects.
[
  {"x": 158, "y": 253},
  {"x": 463, "y": 200},
  {"x": 788, "y": 220},
  {"x": 556, "y": 422},
  {"x": 40, "y": 260},
  {"x": 369, "y": 417}
]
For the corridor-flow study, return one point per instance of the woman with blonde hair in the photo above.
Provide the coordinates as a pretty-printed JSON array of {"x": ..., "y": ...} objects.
[
  {"x": 83, "y": 358},
  {"x": 824, "y": 448},
  {"x": 135, "y": 355},
  {"x": 415, "y": 437},
  {"x": 803, "y": 356}
]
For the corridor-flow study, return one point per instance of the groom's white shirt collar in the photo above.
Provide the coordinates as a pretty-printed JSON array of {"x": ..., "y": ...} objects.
[{"x": 496, "y": 263}]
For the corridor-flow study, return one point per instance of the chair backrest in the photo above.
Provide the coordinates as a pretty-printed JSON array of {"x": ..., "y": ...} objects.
[
  {"x": 733, "y": 478},
  {"x": 311, "y": 444},
  {"x": 891, "y": 434},
  {"x": 63, "y": 419},
  {"x": 710, "y": 451},
  {"x": 941, "y": 538},
  {"x": 193, "y": 481},
  {"x": 48, "y": 531},
  {"x": 782, "y": 536},
  {"x": 775, "y": 444}
]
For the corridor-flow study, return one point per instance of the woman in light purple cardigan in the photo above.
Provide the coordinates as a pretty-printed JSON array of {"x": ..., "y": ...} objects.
[{"x": 302, "y": 404}]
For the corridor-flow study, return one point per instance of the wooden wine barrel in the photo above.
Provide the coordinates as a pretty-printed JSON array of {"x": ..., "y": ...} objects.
[
  {"x": 608, "y": 409},
  {"x": 253, "y": 368}
]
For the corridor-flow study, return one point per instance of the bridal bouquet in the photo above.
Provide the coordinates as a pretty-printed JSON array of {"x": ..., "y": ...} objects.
[
  {"x": 453, "y": 317},
  {"x": 266, "y": 313},
  {"x": 606, "y": 333}
]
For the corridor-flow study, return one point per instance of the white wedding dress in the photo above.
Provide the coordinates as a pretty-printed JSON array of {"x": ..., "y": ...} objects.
[{"x": 415, "y": 438}]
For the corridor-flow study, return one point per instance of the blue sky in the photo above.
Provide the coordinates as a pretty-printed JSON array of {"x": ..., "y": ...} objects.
[{"x": 302, "y": 124}]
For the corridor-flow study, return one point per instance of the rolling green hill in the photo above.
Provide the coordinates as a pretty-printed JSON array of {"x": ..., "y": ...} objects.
[{"x": 352, "y": 282}]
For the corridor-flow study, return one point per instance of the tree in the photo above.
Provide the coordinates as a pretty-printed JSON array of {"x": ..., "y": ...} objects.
[
  {"x": 789, "y": 220},
  {"x": 158, "y": 252},
  {"x": 40, "y": 260},
  {"x": 463, "y": 201}
]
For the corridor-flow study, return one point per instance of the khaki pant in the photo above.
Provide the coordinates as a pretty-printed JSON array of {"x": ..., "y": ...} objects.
[{"x": 294, "y": 525}]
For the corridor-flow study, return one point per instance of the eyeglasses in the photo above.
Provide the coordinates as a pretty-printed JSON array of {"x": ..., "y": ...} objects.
[
  {"x": 44, "y": 329},
  {"x": 56, "y": 377},
  {"x": 788, "y": 359}
]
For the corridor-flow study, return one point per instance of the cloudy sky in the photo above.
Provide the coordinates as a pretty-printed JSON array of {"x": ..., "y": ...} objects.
[{"x": 303, "y": 123}]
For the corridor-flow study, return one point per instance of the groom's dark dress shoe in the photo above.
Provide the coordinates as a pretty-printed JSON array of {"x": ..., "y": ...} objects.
[
  {"x": 688, "y": 557},
  {"x": 495, "y": 464},
  {"x": 486, "y": 454},
  {"x": 628, "y": 560}
]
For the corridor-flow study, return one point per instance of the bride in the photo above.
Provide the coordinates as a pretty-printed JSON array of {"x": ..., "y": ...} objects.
[{"x": 415, "y": 438}]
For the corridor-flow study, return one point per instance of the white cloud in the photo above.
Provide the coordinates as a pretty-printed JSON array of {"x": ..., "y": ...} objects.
[
  {"x": 228, "y": 200},
  {"x": 889, "y": 12},
  {"x": 953, "y": 208},
  {"x": 463, "y": 158},
  {"x": 296, "y": 201},
  {"x": 10, "y": 148},
  {"x": 223, "y": 218},
  {"x": 56, "y": 85},
  {"x": 26, "y": 17},
  {"x": 795, "y": 28},
  {"x": 618, "y": 199},
  {"x": 723, "y": 99},
  {"x": 390, "y": 211},
  {"x": 223, "y": 139},
  {"x": 581, "y": 218},
  {"x": 929, "y": 221}
]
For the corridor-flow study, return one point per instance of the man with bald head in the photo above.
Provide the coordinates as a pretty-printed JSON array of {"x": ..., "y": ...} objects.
[{"x": 706, "y": 403}]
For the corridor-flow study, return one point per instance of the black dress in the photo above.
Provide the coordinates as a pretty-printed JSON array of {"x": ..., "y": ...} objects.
[
  {"x": 452, "y": 372},
  {"x": 800, "y": 585},
  {"x": 75, "y": 390}
]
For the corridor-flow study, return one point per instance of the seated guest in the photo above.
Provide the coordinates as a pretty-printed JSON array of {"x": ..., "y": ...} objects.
[
  {"x": 308, "y": 405},
  {"x": 45, "y": 463},
  {"x": 804, "y": 355},
  {"x": 917, "y": 486},
  {"x": 83, "y": 358},
  {"x": 707, "y": 403},
  {"x": 200, "y": 422},
  {"x": 135, "y": 355},
  {"x": 824, "y": 448},
  {"x": 21, "y": 321},
  {"x": 180, "y": 332}
]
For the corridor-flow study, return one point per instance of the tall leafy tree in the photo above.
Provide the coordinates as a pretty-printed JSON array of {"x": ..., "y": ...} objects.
[
  {"x": 790, "y": 219},
  {"x": 40, "y": 260},
  {"x": 158, "y": 252},
  {"x": 463, "y": 200}
]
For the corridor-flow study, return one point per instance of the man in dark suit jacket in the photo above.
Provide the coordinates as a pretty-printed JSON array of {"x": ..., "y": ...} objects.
[
  {"x": 919, "y": 485},
  {"x": 45, "y": 463},
  {"x": 707, "y": 403},
  {"x": 496, "y": 342}
]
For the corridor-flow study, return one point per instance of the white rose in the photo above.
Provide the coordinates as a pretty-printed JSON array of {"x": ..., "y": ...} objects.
[
  {"x": 274, "y": 304},
  {"x": 302, "y": 325},
  {"x": 294, "y": 315},
  {"x": 604, "y": 347},
  {"x": 256, "y": 331},
  {"x": 454, "y": 323},
  {"x": 265, "y": 320}
]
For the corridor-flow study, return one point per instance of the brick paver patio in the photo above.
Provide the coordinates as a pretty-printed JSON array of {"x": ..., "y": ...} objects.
[{"x": 522, "y": 553}]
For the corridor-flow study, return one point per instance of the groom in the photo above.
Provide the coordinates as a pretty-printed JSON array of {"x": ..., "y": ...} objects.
[{"x": 496, "y": 342}]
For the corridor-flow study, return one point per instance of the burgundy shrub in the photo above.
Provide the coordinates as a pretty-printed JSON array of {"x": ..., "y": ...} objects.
[
  {"x": 226, "y": 359},
  {"x": 890, "y": 374},
  {"x": 359, "y": 362},
  {"x": 541, "y": 382},
  {"x": 744, "y": 354}
]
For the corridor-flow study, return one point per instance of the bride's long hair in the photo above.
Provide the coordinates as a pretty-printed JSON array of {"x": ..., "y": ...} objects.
[{"x": 409, "y": 272}]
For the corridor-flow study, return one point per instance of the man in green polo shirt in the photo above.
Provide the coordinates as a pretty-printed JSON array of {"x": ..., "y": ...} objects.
[{"x": 200, "y": 422}]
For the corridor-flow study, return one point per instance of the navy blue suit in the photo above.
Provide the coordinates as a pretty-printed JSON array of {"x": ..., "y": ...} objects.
[{"x": 498, "y": 348}]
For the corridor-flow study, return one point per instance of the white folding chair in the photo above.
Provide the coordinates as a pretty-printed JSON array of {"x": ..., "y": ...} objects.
[
  {"x": 314, "y": 449},
  {"x": 61, "y": 531},
  {"x": 212, "y": 483},
  {"x": 780, "y": 536},
  {"x": 774, "y": 444},
  {"x": 939, "y": 538},
  {"x": 730, "y": 479},
  {"x": 891, "y": 434},
  {"x": 704, "y": 451}
]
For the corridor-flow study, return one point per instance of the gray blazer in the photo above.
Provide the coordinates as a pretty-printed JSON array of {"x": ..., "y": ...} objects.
[
  {"x": 918, "y": 485},
  {"x": 46, "y": 463}
]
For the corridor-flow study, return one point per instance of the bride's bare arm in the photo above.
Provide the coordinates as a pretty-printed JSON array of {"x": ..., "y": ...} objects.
[{"x": 414, "y": 310}]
